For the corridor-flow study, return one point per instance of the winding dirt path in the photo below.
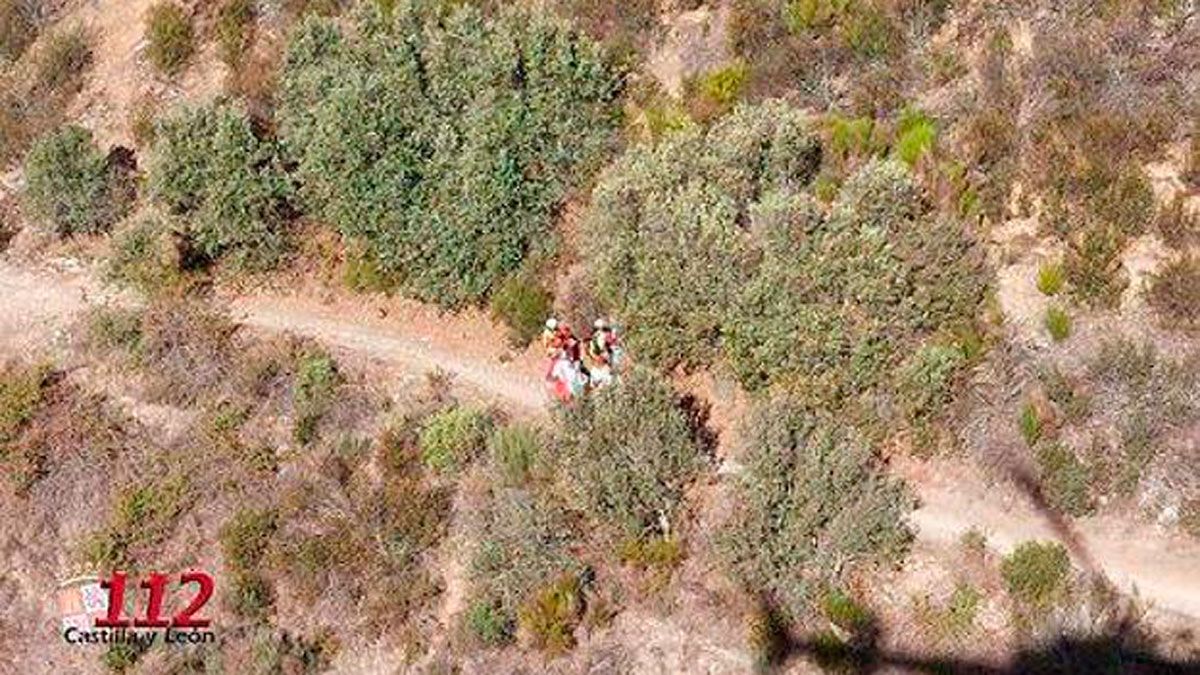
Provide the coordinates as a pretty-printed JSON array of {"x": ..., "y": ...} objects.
[
  {"x": 412, "y": 338},
  {"x": 1163, "y": 570}
]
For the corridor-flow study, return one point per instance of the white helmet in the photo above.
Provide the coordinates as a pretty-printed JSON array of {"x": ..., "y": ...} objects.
[
  {"x": 600, "y": 324},
  {"x": 551, "y": 323}
]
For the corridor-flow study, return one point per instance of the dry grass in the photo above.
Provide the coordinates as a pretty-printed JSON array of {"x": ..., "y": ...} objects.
[
  {"x": 1175, "y": 293},
  {"x": 170, "y": 36},
  {"x": 1178, "y": 225},
  {"x": 327, "y": 522},
  {"x": 36, "y": 91}
]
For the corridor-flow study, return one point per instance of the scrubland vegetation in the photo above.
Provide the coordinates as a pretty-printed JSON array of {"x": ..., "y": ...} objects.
[
  {"x": 210, "y": 167},
  {"x": 814, "y": 504},
  {"x": 467, "y": 134},
  {"x": 820, "y": 223},
  {"x": 170, "y": 35}
]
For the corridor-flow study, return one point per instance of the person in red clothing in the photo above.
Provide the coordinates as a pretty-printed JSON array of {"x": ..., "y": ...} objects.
[{"x": 568, "y": 342}]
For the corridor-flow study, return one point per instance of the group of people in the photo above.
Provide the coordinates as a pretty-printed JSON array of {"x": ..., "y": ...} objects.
[{"x": 576, "y": 365}]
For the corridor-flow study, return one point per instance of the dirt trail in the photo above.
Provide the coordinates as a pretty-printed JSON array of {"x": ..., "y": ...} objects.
[
  {"x": 1162, "y": 570},
  {"x": 414, "y": 341}
]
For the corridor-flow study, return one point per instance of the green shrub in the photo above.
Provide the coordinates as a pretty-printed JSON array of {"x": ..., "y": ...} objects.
[
  {"x": 1175, "y": 292},
  {"x": 869, "y": 31},
  {"x": 1127, "y": 202},
  {"x": 170, "y": 37},
  {"x": 112, "y": 329},
  {"x": 488, "y": 624},
  {"x": 1030, "y": 423},
  {"x": 665, "y": 226},
  {"x": 141, "y": 122},
  {"x": 62, "y": 60},
  {"x": 18, "y": 27},
  {"x": 845, "y": 612},
  {"x": 516, "y": 450},
  {"x": 666, "y": 117},
  {"x": 846, "y": 301},
  {"x": 71, "y": 187},
  {"x": 444, "y": 145},
  {"x": 1036, "y": 574},
  {"x": 143, "y": 517},
  {"x": 249, "y": 595},
  {"x": 1065, "y": 478},
  {"x": 451, "y": 438},
  {"x": 523, "y": 305},
  {"x": 209, "y": 166},
  {"x": 955, "y": 620},
  {"x": 926, "y": 379},
  {"x": 1093, "y": 266},
  {"x": 245, "y": 537},
  {"x": 235, "y": 21},
  {"x": 551, "y": 615},
  {"x": 628, "y": 453},
  {"x": 1050, "y": 278},
  {"x": 122, "y": 656},
  {"x": 916, "y": 136},
  {"x": 143, "y": 256},
  {"x": 851, "y": 137},
  {"x": 723, "y": 86},
  {"x": 863, "y": 26},
  {"x": 362, "y": 273},
  {"x": 316, "y": 380},
  {"x": 659, "y": 553},
  {"x": 813, "y": 501},
  {"x": 20, "y": 396},
  {"x": 1058, "y": 324}
]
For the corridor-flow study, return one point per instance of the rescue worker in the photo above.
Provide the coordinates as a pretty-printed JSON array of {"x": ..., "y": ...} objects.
[
  {"x": 550, "y": 340},
  {"x": 601, "y": 351},
  {"x": 568, "y": 342},
  {"x": 600, "y": 345}
]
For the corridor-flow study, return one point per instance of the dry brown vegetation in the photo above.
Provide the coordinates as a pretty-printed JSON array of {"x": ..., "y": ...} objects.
[{"x": 833, "y": 253}]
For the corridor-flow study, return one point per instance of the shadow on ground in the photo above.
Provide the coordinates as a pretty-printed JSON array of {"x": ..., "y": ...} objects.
[{"x": 1122, "y": 650}]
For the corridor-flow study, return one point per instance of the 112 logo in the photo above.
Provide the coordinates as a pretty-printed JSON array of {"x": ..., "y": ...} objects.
[{"x": 156, "y": 587}]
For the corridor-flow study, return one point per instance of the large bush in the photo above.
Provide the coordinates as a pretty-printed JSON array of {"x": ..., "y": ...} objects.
[
  {"x": 813, "y": 501},
  {"x": 71, "y": 186},
  {"x": 210, "y": 166},
  {"x": 711, "y": 243},
  {"x": 856, "y": 290},
  {"x": 668, "y": 231},
  {"x": 445, "y": 146},
  {"x": 628, "y": 453}
]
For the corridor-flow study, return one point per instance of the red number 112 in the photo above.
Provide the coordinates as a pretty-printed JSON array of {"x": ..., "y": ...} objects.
[{"x": 156, "y": 584}]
